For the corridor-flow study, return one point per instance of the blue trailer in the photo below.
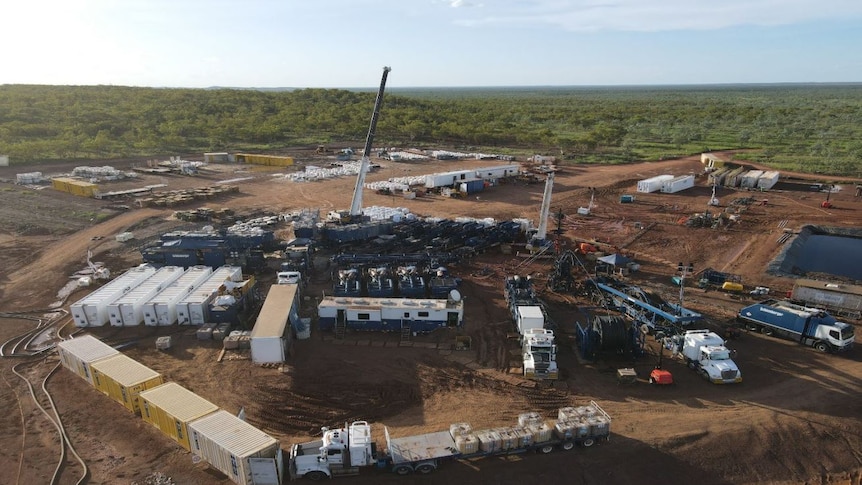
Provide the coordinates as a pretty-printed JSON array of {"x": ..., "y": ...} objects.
[{"x": 808, "y": 326}]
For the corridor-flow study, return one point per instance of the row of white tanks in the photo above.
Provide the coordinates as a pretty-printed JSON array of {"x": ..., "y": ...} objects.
[
  {"x": 572, "y": 423},
  {"x": 165, "y": 296}
]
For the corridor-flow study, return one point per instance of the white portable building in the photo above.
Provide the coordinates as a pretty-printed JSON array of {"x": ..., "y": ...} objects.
[
  {"x": 162, "y": 308},
  {"x": 271, "y": 334},
  {"x": 768, "y": 180},
  {"x": 247, "y": 455},
  {"x": 678, "y": 184},
  {"x": 447, "y": 179},
  {"x": 750, "y": 178},
  {"x": 128, "y": 309},
  {"x": 653, "y": 184},
  {"x": 502, "y": 171},
  {"x": 92, "y": 310},
  {"x": 79, "y": 353},
  {"x": 193, "y": 309}
]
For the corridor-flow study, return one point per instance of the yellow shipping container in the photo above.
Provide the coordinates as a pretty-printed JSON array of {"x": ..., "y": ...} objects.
[
  {"x": 123, "y": 379},
  {"x": 271, "y": 160},
  {"x": 75, "y": 187},
  {"x": 171, "y": 407},
  {"x": 60, "y": 183}
]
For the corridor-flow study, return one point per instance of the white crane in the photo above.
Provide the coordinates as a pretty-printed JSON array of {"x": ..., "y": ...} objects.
[
  {"x": 538, "y": 239},
  {"x": 356, "y": 204}
]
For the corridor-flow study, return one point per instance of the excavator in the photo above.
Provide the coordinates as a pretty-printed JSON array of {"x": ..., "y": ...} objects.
[{"x": 355, "y": 212}]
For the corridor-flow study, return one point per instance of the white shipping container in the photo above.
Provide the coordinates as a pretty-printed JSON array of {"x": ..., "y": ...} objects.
[
  {"x": 653, "y": 184},
  {"x": 128, "y": 310},
  {"x": 750, "y": 178},
  {"x": 162, "y": 308},
  {"x": 491, "y": 173},
  {"x": 193, "y": 309},
  {"x": 678, "y": 184},
  {"x": 271, "y": 333},
  {"x": 247, "y": 455},
  {"x": 92, "y": 310},
  {"x": 768, "y": 180},
  {"x": 79, "y": 353}
]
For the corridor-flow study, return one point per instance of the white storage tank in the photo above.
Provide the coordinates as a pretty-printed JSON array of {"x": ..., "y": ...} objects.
[
  {"x": 79, "y": 353},
  {"x": 768, "y": 180},
  {"x": 128, "y": 310},
  {"x": 653, "y": 184},
  {"x": 162, "y": 308},
  {"x": 678, "y": 184},
  {"x": 244, "y": 453},
  {"x": 193, "y": 309},
  {"x": 92, "y": 310}
]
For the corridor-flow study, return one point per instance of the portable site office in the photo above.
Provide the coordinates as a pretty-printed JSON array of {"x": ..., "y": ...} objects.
[
  {"x": 128, "y": 310},
  {"x": 162, "y": 308},
  {"x": 122, "y": 379},
  {"x": 171, "y": 407},
  {"x": 79, "y": 354},
  {"x": 193, "y": 309},
  {"x": 92, "y": 310},
  {"x": 271, "y": 333},
  {"x": 247, "y": 455}
]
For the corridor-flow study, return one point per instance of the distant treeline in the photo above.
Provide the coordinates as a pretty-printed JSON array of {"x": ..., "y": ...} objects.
[{"x": 811, "y": 128}]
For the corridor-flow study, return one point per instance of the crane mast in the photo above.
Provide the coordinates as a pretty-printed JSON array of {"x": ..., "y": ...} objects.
[
  {"x": 356, "y": 204},
  {"x": 542, "y": 233}
]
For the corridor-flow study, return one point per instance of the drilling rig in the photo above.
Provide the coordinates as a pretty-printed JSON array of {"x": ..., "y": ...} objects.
[
  {"x": 355, "y": 212},
  {"x": 539, "y": 239}
]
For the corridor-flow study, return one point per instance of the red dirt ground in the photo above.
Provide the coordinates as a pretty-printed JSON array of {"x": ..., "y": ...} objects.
[{"x": 796, "y": 419}]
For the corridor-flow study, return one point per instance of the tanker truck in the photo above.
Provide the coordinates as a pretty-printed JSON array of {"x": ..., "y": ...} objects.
[
  {"x": 344, "y": 451},
  {"x": 808, "y": 326}
]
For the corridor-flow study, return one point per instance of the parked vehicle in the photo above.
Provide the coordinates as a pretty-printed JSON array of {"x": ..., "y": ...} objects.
[
  {"x": 538, "y": 348},
  {"x": 344, "y": 451},
  {"x": 704, "y": 351},
  {"x": 808, "y": 326}
]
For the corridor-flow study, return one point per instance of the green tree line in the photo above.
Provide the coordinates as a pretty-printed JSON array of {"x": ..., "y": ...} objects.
[{"x": 811, "y": 128}]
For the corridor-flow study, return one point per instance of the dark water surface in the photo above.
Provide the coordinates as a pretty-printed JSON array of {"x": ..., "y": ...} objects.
[{"x": 836, "y": 255}]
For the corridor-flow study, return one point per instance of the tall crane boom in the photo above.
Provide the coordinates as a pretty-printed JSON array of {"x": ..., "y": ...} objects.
[
  {"x": 356, "y": 204},
  {"x": 546, "y": 209}
]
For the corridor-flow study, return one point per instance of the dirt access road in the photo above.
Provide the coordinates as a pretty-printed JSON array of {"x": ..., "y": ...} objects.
[{"x": 796, "y": 419}]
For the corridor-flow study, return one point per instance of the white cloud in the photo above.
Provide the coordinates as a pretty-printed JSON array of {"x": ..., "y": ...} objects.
[{"x": 659, "y": 15}]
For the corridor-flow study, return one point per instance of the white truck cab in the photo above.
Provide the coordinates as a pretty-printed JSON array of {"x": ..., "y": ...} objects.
[
  {"x": 341, "y": 451},
  {"x": 289, "y": 277},
  {"x": 539, "y": 354},
  {"x": 705, "y": 352}
]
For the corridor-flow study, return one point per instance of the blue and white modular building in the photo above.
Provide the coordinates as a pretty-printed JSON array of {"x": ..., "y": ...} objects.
[{"x": 391, "y": 314}]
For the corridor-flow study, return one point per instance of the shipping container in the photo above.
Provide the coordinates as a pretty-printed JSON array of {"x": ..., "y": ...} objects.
[
  {"x": 74, "y": 186},
  {"x": 732, "y": 287},
  {"x": 678, "y": 184},
  {"x": 271, "y": 160},
  {"x": 271, "y": 334},
  {"x": 128, "y": 310},
  {"x": 171, "y": 407},
  {"x": 122, "y": 379},
  {"x": 79, "y": 354},
  {"x": 768, "y": 180},
  {"x": 717, "y": 177},
  {"x": 734, "y": 177},
  {"x": 749, "y": 179},
  {"x": 839, "y": 298},
  {"x": 193, "y": 309},
  {"x": 216, "y": 157},
  {"x": 92, "y": 310},
  {"x": 247, "y": 455},
  {"x": 472, "y": 186},
  {"x": 653, "y": 184},
  {"x": 162, "y": 308}
]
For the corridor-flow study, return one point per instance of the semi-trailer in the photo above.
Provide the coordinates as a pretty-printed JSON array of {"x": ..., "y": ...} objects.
[
  {"x": 808, "y": 326},
  {"x": 538, "y": 348},
  {"x": 344, "y": 451}
]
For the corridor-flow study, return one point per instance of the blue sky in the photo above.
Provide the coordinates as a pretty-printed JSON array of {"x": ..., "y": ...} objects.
[{"x": 345, "y": 43}]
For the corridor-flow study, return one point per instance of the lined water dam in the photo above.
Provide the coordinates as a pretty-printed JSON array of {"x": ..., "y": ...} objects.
[{"x": 816, "y": 249}]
